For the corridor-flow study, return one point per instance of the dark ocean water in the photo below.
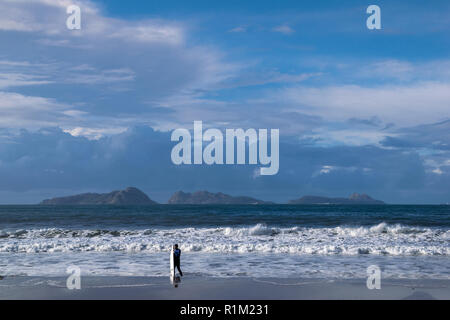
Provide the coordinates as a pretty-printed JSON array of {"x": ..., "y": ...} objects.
[
  {"x": 219, "y": 216},
  {"x": 274, "y": 240}
]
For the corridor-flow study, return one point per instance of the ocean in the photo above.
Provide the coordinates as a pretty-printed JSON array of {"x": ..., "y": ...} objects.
[{"x": 282, "y": 241}]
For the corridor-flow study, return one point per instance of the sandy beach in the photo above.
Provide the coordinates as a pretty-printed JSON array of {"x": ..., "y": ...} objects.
[{"x": 199, "y": 288}]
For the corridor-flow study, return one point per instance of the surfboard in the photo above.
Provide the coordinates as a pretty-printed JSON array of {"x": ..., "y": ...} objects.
[{"x": 172, "y": 264}]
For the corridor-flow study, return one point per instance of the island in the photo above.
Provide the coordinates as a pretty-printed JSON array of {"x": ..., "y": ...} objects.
[
  {"x": 129, "y": 196},
  {"x": 355, "y": 198},
  {"x": 205, "y": 197}
]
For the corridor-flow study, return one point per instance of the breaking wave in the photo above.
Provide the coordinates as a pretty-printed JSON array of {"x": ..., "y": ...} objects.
[{"x": 380, "y": 239}]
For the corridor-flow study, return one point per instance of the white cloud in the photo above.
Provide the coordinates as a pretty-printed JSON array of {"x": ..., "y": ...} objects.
[
  {"x": 388, "y": 69},
  {"x": 24, "y": 73},
  {"x": 328, "y": 136},
  {"x": 8, "y": 80},
  {"x": 326, "y": 169},
  {"x": 404, "y": 70},
  {"x": 17, "y": 110},
  {"x": 104, "y": 76},
  {"x": 14, "y": 101},
  {"x": 177, "y": 76},
  {"x": 94, "y": 133},
  {"x": 239, "y": 29},
  {"x": 256, "y": 173},
  {"x": 404, "y": 105},
  {"x": 34, "y": 113},
  {"x": 12, "y": 63},
  {"x": 285, "y": 29},
  {"x": 149, "y": 56},
  {"x": 48, "y": 17},
  {"x": 437, "y": 166},
  {"x": 149, "y": 32},
  {"x": 249, "y": 78}
]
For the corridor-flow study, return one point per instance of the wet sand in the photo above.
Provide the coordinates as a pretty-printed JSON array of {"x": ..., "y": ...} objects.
[{"x": 199, "y": 288}]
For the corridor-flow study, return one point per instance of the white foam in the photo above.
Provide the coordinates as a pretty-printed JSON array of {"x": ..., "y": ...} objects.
[
  {"x": 224, "y": 265},
  {"x": 381, "y": 239}
]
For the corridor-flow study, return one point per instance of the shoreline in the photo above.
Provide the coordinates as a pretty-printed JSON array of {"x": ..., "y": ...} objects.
[{"x": 208, "y": 288}]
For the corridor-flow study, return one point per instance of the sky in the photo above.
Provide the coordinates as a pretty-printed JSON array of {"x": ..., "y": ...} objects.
[{"x": 92, "y": 110}]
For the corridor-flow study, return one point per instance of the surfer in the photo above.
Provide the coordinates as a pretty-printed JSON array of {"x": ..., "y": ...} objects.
[{"x": 176, "y": 258}]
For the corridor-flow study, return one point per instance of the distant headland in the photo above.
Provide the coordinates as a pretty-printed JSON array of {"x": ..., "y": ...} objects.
[
  {"x": 355, "y": 198},
  {"x": 134, "y": 196},
  {"x": 129, "y": 196},
  {"x": 205, "y": 197}
]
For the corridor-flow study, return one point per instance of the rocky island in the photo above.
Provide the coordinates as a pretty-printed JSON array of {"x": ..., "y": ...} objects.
[
  {"x": 355, "y": 198},
  {"x": 205, "y": 197},
  {"x": 129, "y": 196}
]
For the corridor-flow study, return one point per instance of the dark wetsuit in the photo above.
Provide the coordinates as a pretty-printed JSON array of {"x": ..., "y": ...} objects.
[{"x": 176, "y": 260}]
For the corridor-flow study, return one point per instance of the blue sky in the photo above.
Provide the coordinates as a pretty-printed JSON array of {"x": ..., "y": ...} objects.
[{"x": 358, "y": 110}]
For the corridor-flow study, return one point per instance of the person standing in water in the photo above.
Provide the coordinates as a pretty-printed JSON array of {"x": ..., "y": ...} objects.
[{"x": 176, "y": 258}]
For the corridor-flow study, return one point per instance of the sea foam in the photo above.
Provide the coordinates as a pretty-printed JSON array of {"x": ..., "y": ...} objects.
[{"x": 380, "y": 239}]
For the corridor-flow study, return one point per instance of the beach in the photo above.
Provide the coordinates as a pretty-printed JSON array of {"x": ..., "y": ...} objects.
[
  {"x": 228, "y": 252},
  {"x": 198, "y": 288}
]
